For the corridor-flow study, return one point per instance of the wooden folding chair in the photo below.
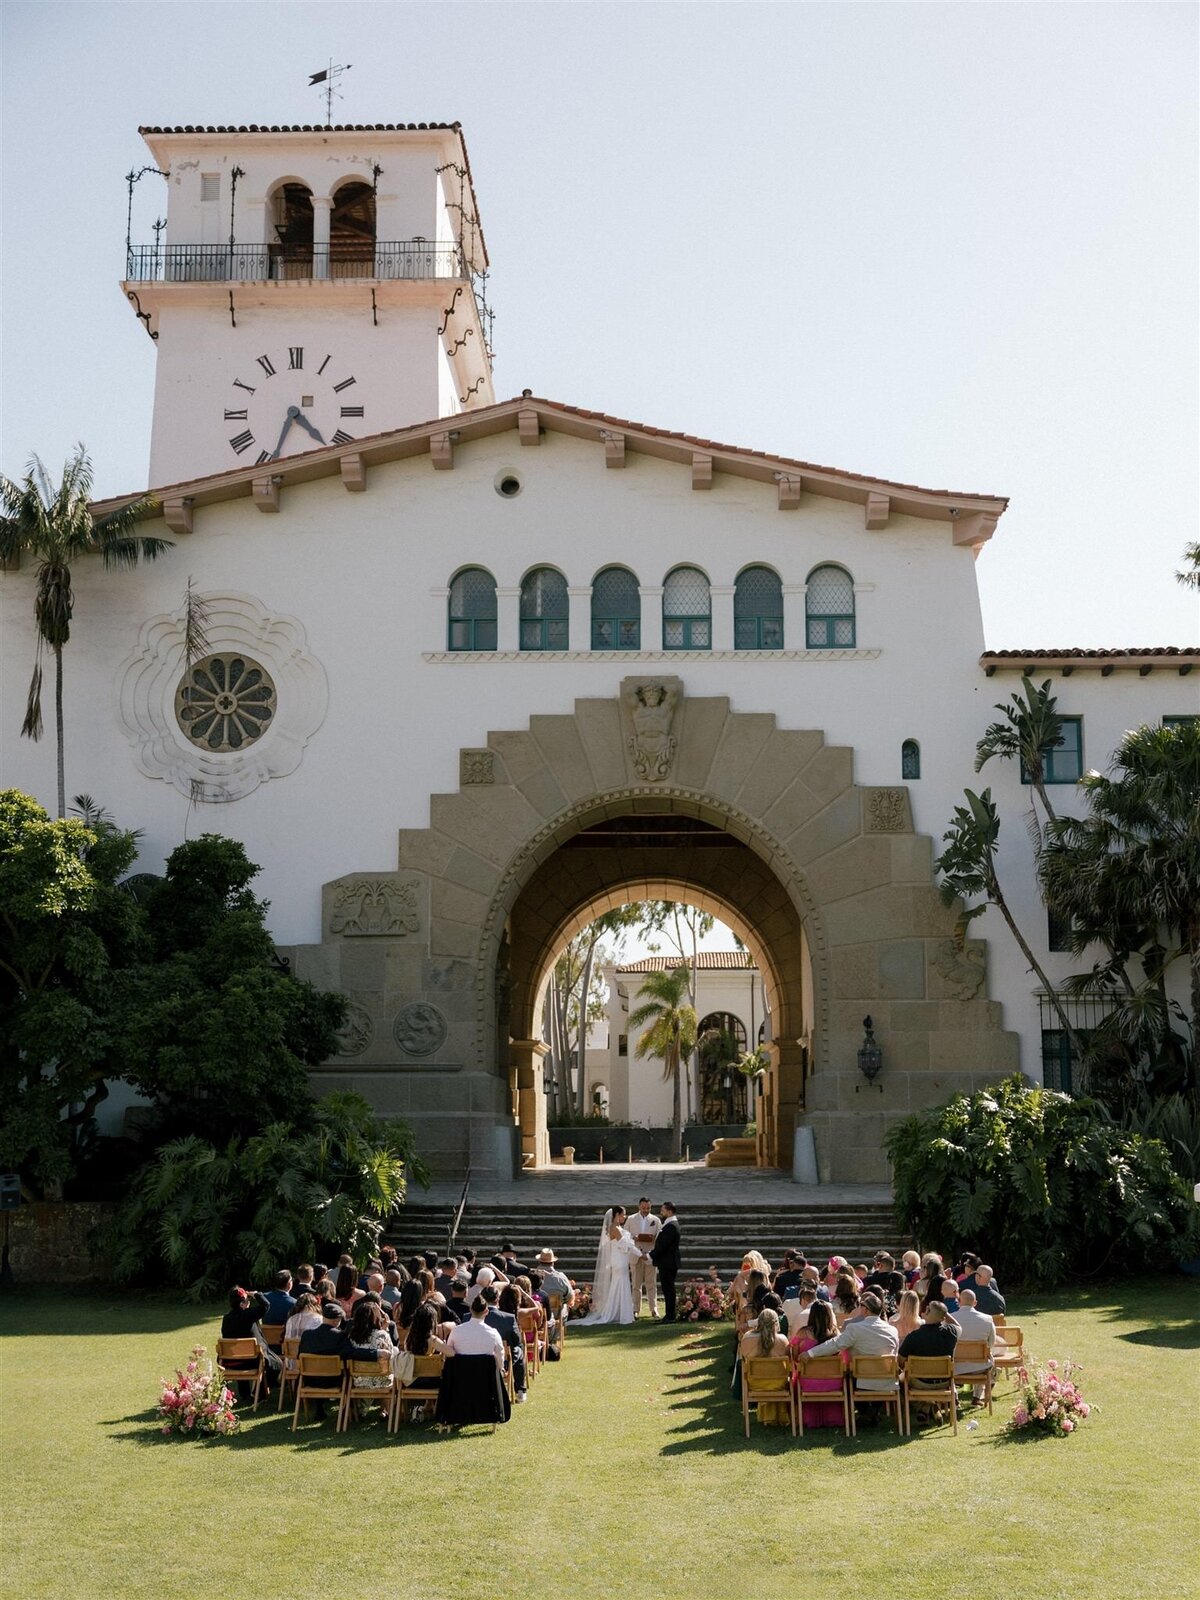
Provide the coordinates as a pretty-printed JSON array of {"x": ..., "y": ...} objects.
[
  {"x": 241, "y": 1361},
  {"x": 289, "y": 1352},
  {"x": 977, "y": 1354},
  {"x": 824, "y": 1367},
  {"x": 874, "y": 1369},
  {"x": 272, "y": 1333},
  {"x": 527, "y": 1321},
  {"x": 422, "y": 1387},
  {"x": 559, "y": 1312},
  {"x": 381, "y": 1367},
  {"x": 929, "y": 1381},
  {"x": 1008, "y": 1353},
  {"x": 999, "y": 1318},
  {"x": 309, "y": 1370},
  {"x": 768, "y": 1379}
]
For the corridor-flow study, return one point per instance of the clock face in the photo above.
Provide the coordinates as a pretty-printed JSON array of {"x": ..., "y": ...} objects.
[{"x": 292, "y": 400}]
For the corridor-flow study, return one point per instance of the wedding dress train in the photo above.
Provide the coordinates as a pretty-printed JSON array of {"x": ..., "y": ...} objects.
[{"x": 612, "y": 1287}]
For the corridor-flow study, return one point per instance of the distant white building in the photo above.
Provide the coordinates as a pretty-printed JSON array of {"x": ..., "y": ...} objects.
[{"x": 478, "y": 671}]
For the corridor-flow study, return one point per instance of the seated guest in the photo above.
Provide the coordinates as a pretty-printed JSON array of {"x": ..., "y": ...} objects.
[
  {"x": 306, "y": 1315},
  {"x": 423, "y": 1338},
  {"x": 932, "y": 1273},
  {"x": 319, "y": 1271},
  {"x": 411, "y": 1296},
  {"x": 304, "y": 1281},
  {"x": 908, "y": 1314},
  {"x": 765, "y": 1339},
  {"x": 910, "y": 1267},
  {"x": 821, "y": 1328},
  {"x": 949, "y": 1295},
  {"x": 987, "y": 1297},
  {"x": 509, "y": 1265},
  {"x": 414, "y": 1264},
  {"x": 787, "y": 1280},
  {"x": 845, "y": 1294},
  {"x": 457, "y": 1309},
  {"x": 430, "y": 1261},
  {"x": 973, "y": 1324},
  {"x": 554, "y": 1282},
  {"x": 373, "y": 1265},
  {"x": 837, "y": 1265},
  {"x": 324, "y": 1289},
  {"x": 475, "y": 1337},
  {"x": 937, "y": 1336},
  {"x": 445, "y": 1277},
  {"x": 484, "y": 1277},
  {"x": 756, "y": 1287},
  {"x": 387, "y": 1257},
  {"x": 797, "y": 1310},
  {"x": 964, "y": 1268},
  {"x": 752, "y": 1261},
  {"x": 505, "y": 1324},
  {"x": 347, "y": 1291},
  {"x": 390, "y": 1293},
  {"x": 867, "y": 1335},
  {"x": 374, "y": 1285},
  {"x": 369, "y": 1326},
  {"x": 247, "y": 1308},
  {"x": 280, "y": 1300},
  {"x": 884, "y": 1276},
  {"x": 331, "y": 1339}
]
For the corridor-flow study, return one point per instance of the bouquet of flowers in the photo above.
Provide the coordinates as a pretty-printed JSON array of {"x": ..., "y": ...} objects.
[
  {"x": 704, "y": 1300},
  {"x": 582, "y": 1302},
  {"x": 197, "y": 1402},
  {"x": 1049, "y": 1400}
]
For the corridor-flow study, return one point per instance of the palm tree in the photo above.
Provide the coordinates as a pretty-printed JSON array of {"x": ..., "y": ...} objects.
[
  {"x": 55, "y": 527},
  {"x": 1030, "y": 728},
  {"x": 1190, "y": 576},
  {"x": 671, "y": 1035}
]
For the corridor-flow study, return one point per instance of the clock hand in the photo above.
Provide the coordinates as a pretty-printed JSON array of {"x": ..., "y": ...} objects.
[
  {"x": 305, "y": 424},
  {"x": 292, "y": 413}
]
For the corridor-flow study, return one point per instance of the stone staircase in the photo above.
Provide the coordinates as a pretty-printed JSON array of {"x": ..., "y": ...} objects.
[{"x": 714, "y": 1233}]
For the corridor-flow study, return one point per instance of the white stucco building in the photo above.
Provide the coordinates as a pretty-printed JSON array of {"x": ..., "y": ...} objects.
[{"x": 479, "y": 670}]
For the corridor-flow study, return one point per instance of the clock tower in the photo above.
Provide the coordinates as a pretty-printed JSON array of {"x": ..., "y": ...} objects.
[{"x": 314, "y": 285}]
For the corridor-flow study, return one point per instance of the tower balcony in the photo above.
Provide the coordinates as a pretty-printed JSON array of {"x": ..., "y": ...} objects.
[{"x": 413, "y": 260}]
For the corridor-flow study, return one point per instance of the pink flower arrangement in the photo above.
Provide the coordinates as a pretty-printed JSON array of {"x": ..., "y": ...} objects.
[
  {"x": 704, "y": 1300},
  {"x": 582, "y": 1302},
  {"x": 1049, "y": 1399},
  {"x": 197, "y": 1402}
]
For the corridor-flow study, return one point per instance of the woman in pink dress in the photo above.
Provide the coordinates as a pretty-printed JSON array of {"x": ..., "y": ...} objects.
[{"x": 818, "y": 1413}]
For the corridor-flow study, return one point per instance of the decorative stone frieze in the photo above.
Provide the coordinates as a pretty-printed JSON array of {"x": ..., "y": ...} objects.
[
  {"x": 476, "y": 767},
  {"x": 356, "y": 1033},
  {"x": 649, "y": 706},
  {"x": 419, "y": 1029},
  {"x": 962, "y": 970},
  {"x": 375, "y": 904},
  {"x": 886, "y": 811}
]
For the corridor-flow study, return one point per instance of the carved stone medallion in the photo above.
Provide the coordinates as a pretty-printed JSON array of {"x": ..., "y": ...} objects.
[
  {"x": 375, "y": 906},
  {"x": 419, "y": 1029},
  {"x": 356, "y": 1033},
  {"x": 649, "y": 705},
  {"x": 886, "y": 811},
  {"x": 475, "y": 767}
]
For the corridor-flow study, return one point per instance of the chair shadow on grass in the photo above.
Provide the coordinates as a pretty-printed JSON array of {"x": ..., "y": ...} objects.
[{"x": 271, "y": 1428}]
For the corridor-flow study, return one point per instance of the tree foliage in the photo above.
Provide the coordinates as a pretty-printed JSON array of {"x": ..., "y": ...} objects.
[
  {"x": 205, "y": 1214},
  {"x": 1031, "y": 727},
  {"x": 1046, "y": 1187},
  {"x": 575, "y": 999},
  {"x": 671, "y": 1035}
]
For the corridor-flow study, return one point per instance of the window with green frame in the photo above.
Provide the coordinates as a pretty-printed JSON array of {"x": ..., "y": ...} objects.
[
  {"x": 1183, "y": 720},
  {"x": 1062, "y": 762},
  {"x": 1060, "y": 1069},
  {"x": 545, "y": 610},
  {"x": 758, "y": 610},
  {"x": 616, "y": 610},
  {"x": 1058, "y": 932},
  {"x": 687, "y": 610},
  {"x": 829, "y": 609},
  {"x": 471, "y": 611}
]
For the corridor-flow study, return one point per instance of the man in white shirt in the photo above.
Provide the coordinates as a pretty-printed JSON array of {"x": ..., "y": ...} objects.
[
  {"x": 867, "y": 1335},
  {"x": 973, "y": 1324},
  {"x": 643, "y": 1228},
  {"x": 476, "y": 1338}
]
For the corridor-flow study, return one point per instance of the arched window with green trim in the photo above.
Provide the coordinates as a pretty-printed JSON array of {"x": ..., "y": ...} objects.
[
  {"x": 687, "y": 610},
  {"x": 829, "y": 609},
  {"x": 472, "y": 610},
  {"x": 616, "y": 610},
  {"x": 545, "y": 610},
  {"x": 758, "y": 610},
  {"x": 910, "y": 760}
]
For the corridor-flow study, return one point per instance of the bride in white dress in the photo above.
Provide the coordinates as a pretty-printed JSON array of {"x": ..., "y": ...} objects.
[{"x": 612, "y": 1286}]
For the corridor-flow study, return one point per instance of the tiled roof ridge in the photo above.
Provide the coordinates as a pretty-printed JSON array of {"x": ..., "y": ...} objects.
[
  {"x": 306, "y": 127},
  {"x": 1078, "y": 652},
  {"x": 707, "y": 960}
]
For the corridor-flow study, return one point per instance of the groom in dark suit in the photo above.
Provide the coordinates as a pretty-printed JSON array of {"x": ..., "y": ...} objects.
[{"x": 665, "y": 1256}]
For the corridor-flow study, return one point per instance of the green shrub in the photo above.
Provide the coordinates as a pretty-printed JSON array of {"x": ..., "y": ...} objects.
[
  {"x": 1045, "y": 1186},
  {"x": 204, "y": 1217},
  {"x": 1175, "y": 1120}
]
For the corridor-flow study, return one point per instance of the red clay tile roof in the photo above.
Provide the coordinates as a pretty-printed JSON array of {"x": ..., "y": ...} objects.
[
  {"x": 706, "y": 961},
  {"x": 1074, "y": 653}
]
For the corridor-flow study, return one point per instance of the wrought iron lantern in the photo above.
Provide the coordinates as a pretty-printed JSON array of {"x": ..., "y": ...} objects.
[{"x": 870, "y": 1056}]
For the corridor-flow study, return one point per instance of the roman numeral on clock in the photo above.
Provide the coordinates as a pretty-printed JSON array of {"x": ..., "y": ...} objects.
[
  {"x": 238, "y": 384},
  {"x": 323, "y": 365},
  {"x": 235, "y": 416},
  {"x": 266, "y": 364},
  {"x": 242, "y": 441},
  {"x": 295, "y": 357},
  {"x": 263, "y": 455},
  {"x": 345, "y": 384},
  {"x": 341, "y": 437},
  {"x": 347, "y": 411}
]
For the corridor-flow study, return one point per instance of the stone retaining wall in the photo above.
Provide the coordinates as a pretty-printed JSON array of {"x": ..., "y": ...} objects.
[{"x": 48, "y": 1241}]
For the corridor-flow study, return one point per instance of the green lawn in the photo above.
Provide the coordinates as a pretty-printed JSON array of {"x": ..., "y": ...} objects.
[{"x": 97, "y": 1503}]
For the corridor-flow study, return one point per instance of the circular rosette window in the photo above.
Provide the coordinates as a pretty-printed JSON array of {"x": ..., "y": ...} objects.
[{"x": 225, "y": 702}]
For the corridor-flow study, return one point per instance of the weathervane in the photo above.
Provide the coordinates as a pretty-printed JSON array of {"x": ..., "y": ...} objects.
[{"x": 329, "y": 78}]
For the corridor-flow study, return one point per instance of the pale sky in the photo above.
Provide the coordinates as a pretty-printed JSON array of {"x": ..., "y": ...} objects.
[{"x": 954, "y": 245}]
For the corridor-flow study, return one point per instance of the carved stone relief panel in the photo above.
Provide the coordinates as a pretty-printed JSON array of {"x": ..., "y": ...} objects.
[
  {"x": 476, "y": 767},
  {"x": 356, "y": 1033},
  {"x": 386, "y": 904},
  {"x": 648, "y": 707},
  {"x": 961, "y": 970},
  {"x": 886, "y": 811},
  {"x": 419, "y": 1028}
]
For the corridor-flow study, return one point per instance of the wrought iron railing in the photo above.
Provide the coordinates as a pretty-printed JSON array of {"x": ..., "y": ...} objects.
[
  {"x": 251, "y": 263},
  {"x": 456, "y": 1219}
]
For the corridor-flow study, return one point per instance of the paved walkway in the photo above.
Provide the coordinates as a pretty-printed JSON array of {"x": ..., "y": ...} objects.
[{"x": 687, "y": 1183}]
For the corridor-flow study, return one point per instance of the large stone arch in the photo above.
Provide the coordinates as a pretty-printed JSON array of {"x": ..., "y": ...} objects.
[{"x": 423, "y": 952}]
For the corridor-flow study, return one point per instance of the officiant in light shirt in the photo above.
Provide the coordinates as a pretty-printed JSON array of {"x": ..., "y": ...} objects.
[{"x": 643, "y": 1228}]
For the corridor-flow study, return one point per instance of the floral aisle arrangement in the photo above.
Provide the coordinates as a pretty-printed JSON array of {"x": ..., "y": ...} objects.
[
  {"x": 705, "y": 1300},
  {"x": 1049, "y": 1400},
  {"x": 582, "y": 1302},
  {"x": 197, "y": 1402}
]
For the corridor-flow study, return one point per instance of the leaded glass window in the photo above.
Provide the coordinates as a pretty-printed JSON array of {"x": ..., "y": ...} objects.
[
  {"x": 910, "y": 760},
  {"x": 1062, "y": 762},
  {"x": 472, "y": 611},
  {"x": 829, "y": 609},
  {"x": 616, "y": 610},
  {"x": 545, "y": 610},
  {"x": 758, "y": 610},
  {"x": 225, "y": 702},
  {"x": 687, "y": 610}
]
